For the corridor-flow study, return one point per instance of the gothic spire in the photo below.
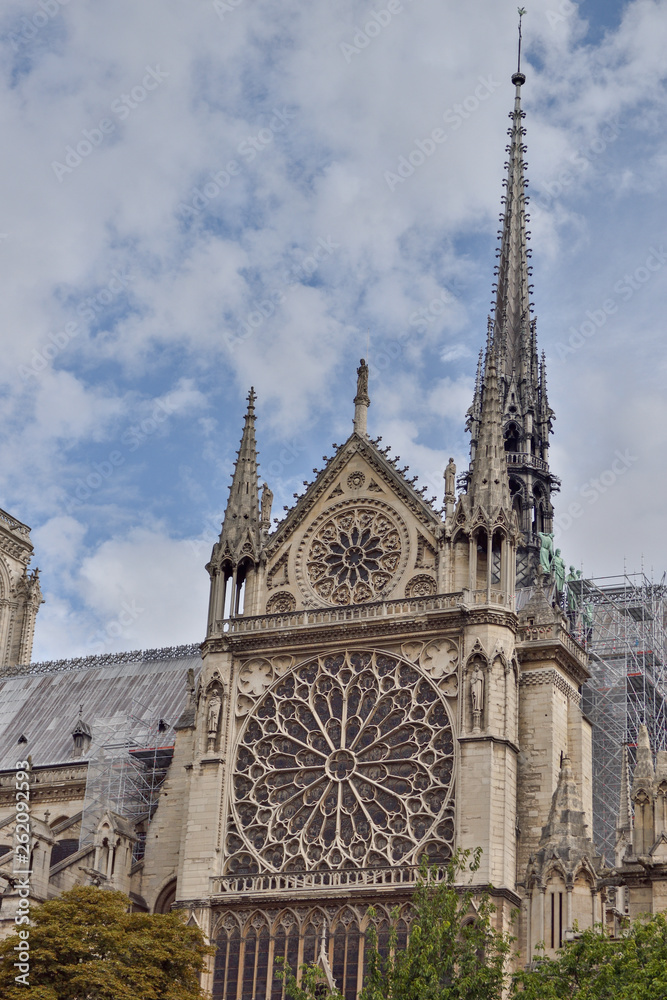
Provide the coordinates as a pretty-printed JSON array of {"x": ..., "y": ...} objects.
[
  {"x": 241, "y": 527},
  {"x": 526, "y": 418},
  {"x": 489, "y": 482},
  {"x": 361, "y": 400},
  {"x": 511, "y": 315}
]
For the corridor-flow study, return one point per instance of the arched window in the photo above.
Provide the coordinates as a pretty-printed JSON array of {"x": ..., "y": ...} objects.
[
  {"x": 166, "y": 898},
  {"x": 286, "y": 945},
  {"x": 512, "y": 438},
  {"x": 63, "y": 849},
  {"x": 346, "y": 958},
  {"x": 226, "y": 969}
]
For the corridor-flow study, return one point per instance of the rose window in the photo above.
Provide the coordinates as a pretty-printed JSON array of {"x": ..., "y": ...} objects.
[
  {"x": 354, "y": 555},
  {"x": 346, "y": 761}
]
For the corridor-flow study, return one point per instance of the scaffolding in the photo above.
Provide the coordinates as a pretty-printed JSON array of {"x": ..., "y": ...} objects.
[
  {"x": 621, "y": 622},
  {"x": 129, "y": 758}
]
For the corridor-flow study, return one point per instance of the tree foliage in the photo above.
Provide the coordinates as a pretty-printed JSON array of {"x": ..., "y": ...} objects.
[
  {"x": 84, "y": 945},
  {"x": 311, "y": 983},
  {"x": 595, "y": 966},
  {"x": 453, "y": 953}
]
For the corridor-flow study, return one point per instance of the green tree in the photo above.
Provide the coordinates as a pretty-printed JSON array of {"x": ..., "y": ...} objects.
[
  {"x": 595, "y": 966},
  {"x": 84, "y": 945},
  {"x": 453, "y": 952},
  {"x": 449, "y": 956}
]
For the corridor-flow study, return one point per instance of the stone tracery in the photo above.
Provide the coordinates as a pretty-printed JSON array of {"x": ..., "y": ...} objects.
[
  {"x": 354, "y": 555},
  {"x": 346, "y": 761}
]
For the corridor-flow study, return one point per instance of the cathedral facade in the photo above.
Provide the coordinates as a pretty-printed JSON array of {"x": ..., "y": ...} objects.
[{"x": 380, "y": 682}]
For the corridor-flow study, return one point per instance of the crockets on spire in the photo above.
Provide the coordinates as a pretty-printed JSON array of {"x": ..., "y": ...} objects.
[
  {"x": 240, "y": 534},
  {"x": 489, "y": 481}
]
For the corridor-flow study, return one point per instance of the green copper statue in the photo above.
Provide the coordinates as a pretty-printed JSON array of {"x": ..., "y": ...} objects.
[
  {"x": 559, "y": 571},
  {"x": 546, "y": 551}
]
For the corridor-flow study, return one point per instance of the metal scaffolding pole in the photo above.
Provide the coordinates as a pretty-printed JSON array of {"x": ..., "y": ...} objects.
[
  {"x": 129, "y": 758},
  {"x": 621, "y": 622}
]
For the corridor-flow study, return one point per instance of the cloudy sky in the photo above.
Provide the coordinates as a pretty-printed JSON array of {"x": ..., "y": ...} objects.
[{"x": 201, "y": 196}]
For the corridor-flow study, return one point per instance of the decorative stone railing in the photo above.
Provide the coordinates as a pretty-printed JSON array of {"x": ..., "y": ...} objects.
[
  {"x": 520, "y": 458},
  {"x": 352, "y": 613},
  {"x": 555, "y": 632},
  {"x": 491, "y": 597},
  {"x": 307, "y": 882},
  {"x": 10, "y": 522}
]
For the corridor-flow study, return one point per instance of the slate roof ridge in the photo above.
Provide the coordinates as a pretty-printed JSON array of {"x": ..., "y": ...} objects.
[{"x": 103, "y": 660}]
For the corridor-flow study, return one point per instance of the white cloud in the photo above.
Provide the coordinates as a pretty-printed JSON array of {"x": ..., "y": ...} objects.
[{"x": 182, "y": 326}]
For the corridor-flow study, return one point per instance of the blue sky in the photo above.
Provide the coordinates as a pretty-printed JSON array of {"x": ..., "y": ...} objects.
[{"x": 230, "y": 219}]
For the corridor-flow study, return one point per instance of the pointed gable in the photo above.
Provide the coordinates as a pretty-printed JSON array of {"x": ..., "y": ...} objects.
[{"x": 358, "y": 533}]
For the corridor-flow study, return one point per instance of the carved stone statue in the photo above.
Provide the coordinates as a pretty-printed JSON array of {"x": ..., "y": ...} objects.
[
  {"x": 213, "y": 718},
  {"x": 267, "y": 500},
  {"x": 362, "y": 378},
  {"x": 559, "y": 571},
  {"x": 477, "y": 696},
  {"x": 450, "y": 479},
  {"x": 546, "y": 551}
]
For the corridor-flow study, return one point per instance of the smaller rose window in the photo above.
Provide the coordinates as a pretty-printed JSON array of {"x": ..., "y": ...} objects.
[{"x": 353, "y": 556}]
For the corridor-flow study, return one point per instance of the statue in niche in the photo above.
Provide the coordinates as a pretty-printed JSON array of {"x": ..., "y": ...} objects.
[
  {"x": 450, "y": 479},
  {"x": 213, "y": 719},
  {"x": 546, "y": 551},
  {"x": 477, "y": 696}
]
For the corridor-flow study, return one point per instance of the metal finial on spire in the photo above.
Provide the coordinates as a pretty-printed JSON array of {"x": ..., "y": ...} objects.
[{"x": 518, "y": 77}]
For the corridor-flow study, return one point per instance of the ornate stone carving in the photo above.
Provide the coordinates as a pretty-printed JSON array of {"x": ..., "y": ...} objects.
[
  {"x": 354, "y": 553},
  {"x": 374, "y": 488},
  {"x": 347, "y": 760},
  {"x": 356, "y": 480},
  {"x": 425, "y": 554},
  {"x": 277, "y": 576},
  {"x": 255, "y": 676},
  {"x": 421, "y": 586},
  {"x": 281, "y": 604}
]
